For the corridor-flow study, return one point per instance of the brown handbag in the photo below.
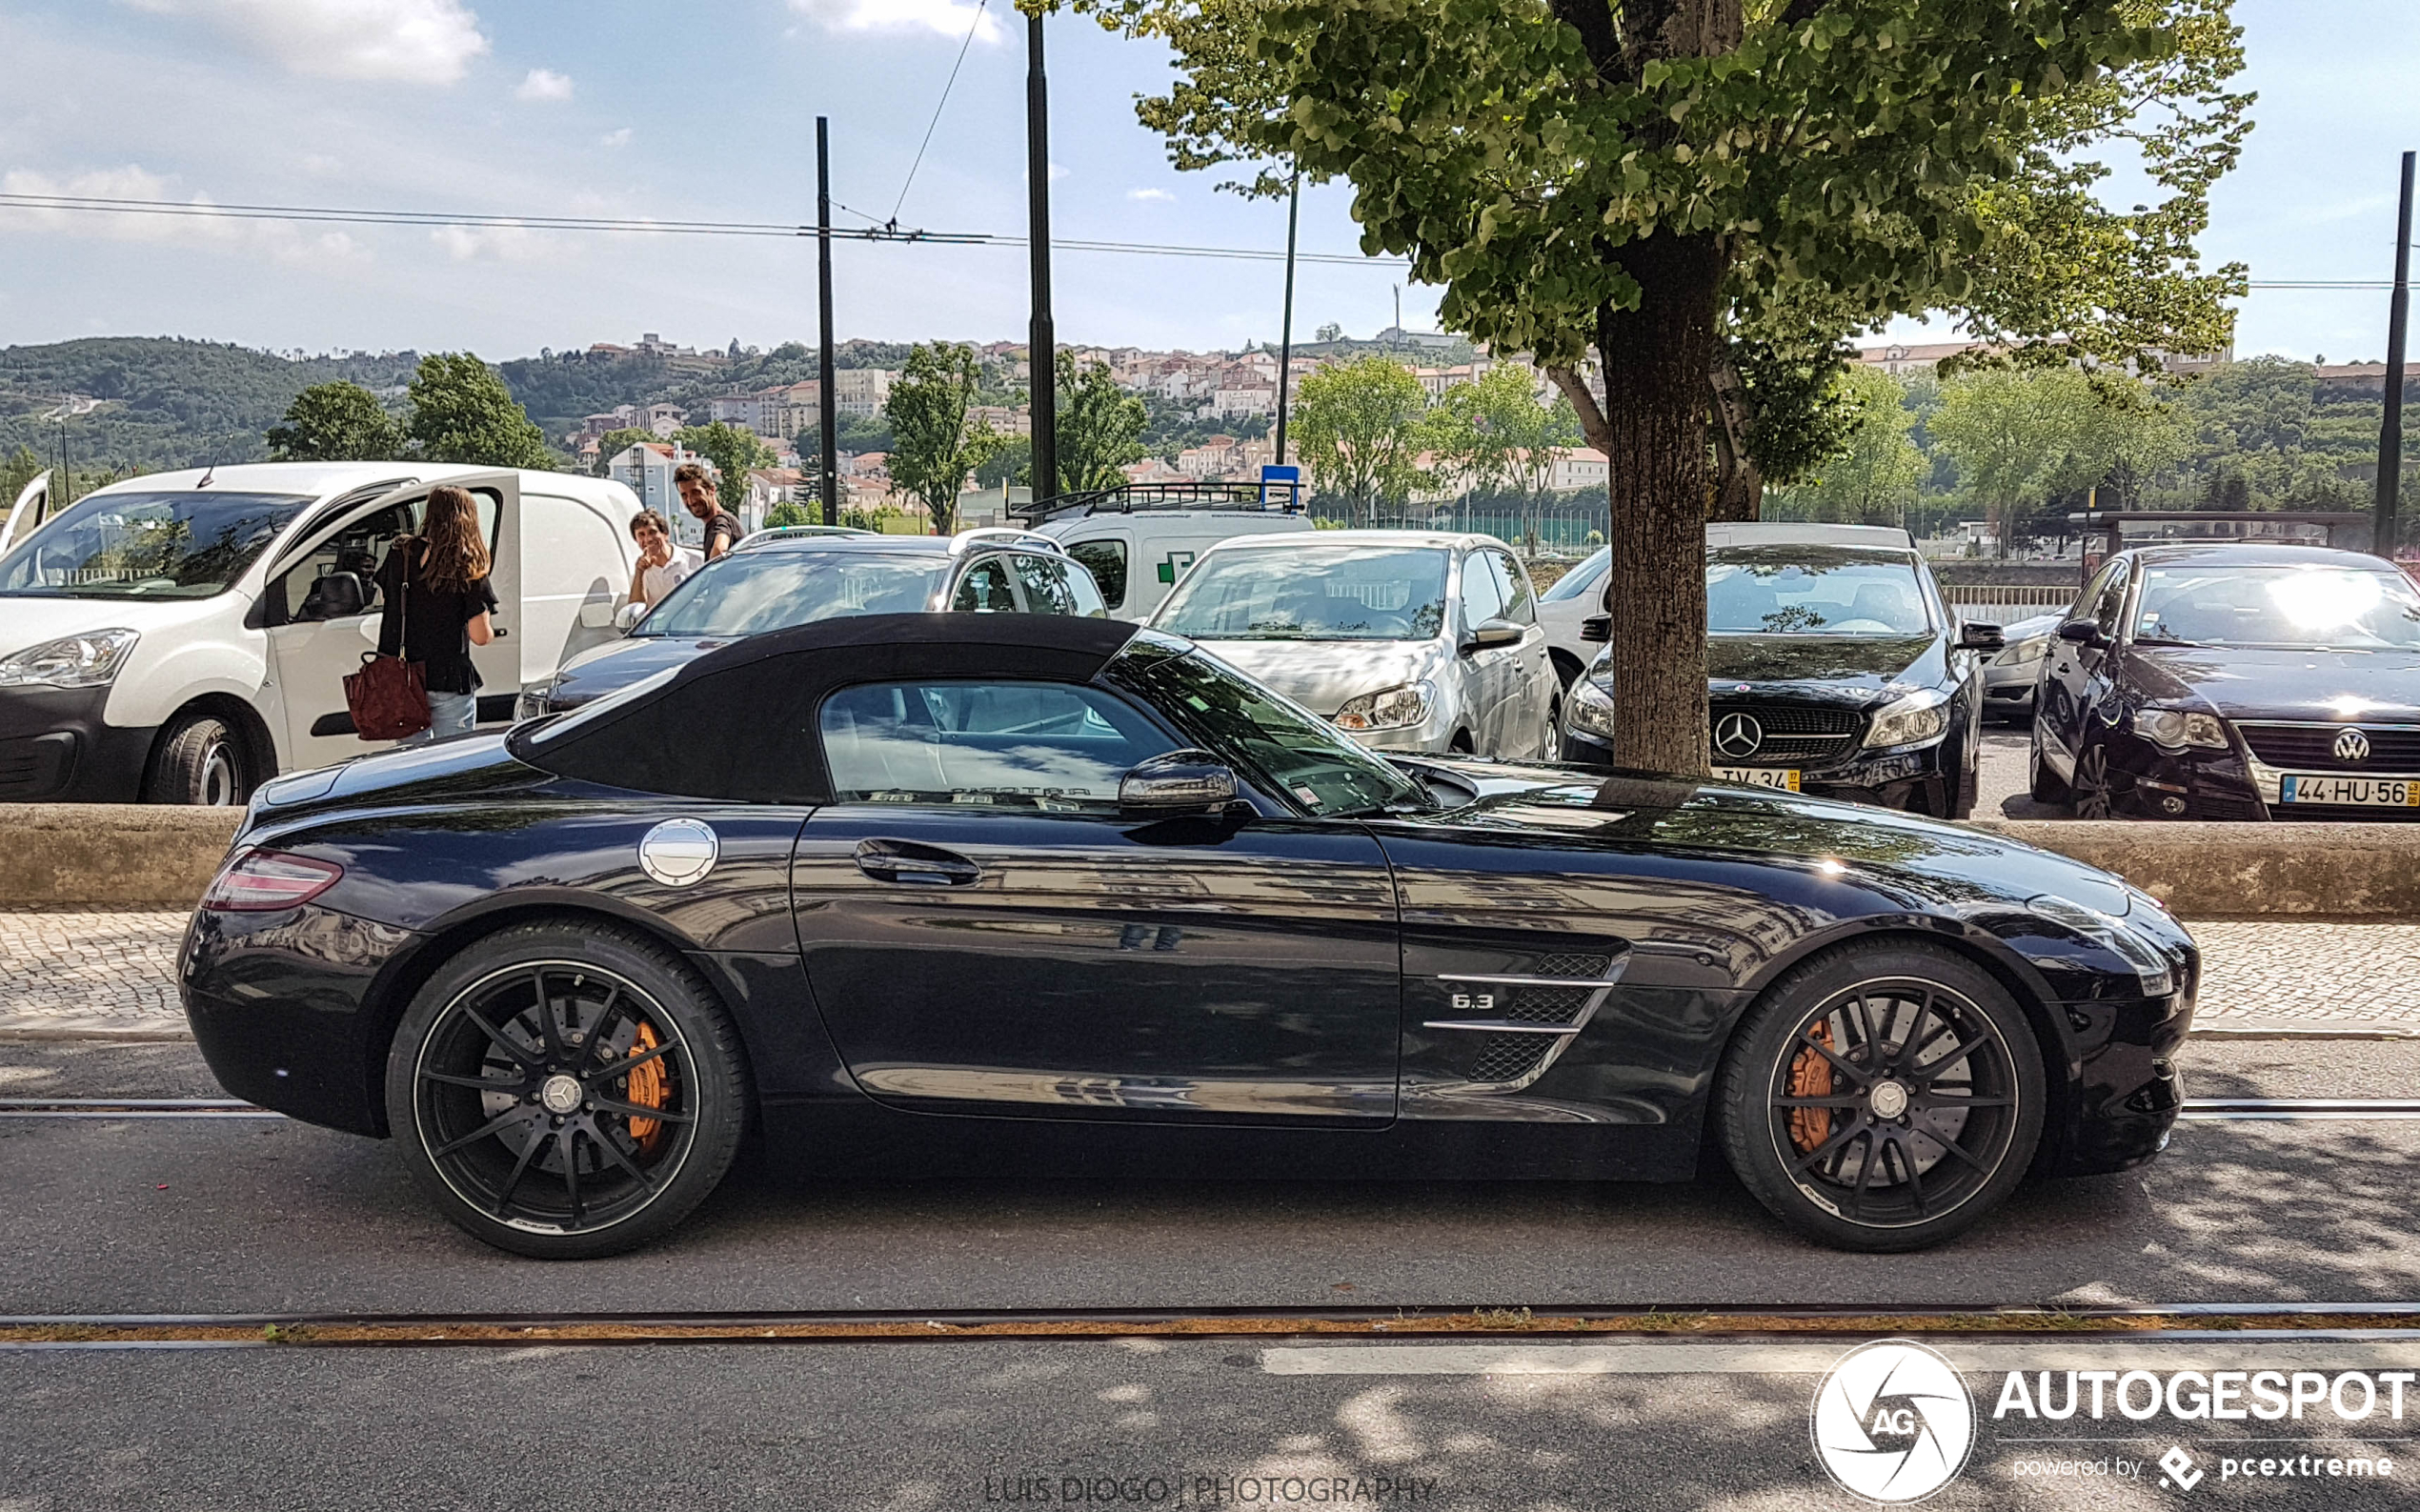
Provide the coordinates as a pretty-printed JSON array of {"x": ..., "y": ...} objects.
[{"x": 388, "y": 696}]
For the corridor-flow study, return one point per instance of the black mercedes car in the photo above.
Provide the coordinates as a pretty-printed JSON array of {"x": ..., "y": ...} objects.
[
  {"x": 2235, "y": 681},
  {"x": 939, "y": 892},
  {"x": 1833, "y": 667}
]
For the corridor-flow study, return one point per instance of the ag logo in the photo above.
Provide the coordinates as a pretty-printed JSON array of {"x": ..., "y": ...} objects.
[{"x": 1892, "y": 1421}]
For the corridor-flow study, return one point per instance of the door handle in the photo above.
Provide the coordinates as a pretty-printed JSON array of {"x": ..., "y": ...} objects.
[{"x": 906, "y": 862}]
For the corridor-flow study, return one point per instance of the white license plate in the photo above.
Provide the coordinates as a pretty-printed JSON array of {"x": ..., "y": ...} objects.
[
  {"x": 1785, "y": 778},
  {"x": 2377, "y": 793}
]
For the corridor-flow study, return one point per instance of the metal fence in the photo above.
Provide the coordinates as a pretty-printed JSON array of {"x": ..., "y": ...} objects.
[
  {"x": 2012, "y": 602},
  {"x": 1551, "y": 528}
]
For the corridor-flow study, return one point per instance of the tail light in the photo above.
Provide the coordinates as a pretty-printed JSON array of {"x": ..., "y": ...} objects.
[{"x": 258, "y": 880}]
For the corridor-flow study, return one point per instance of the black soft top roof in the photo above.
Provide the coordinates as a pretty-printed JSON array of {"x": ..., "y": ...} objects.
[{"x": 738, "y": 723}]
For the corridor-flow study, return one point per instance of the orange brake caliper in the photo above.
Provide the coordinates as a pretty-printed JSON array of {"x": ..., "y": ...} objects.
[
  {"x": 645, "y": 1084},
  {"x": 1810, "y": 1077}
]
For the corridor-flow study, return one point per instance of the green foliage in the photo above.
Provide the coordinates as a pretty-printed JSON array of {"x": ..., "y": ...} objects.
[
  {"x": 930, "y": 451},
  {"x": 2020, "y": 436},
  {"x": 336, "y": 422},
  {"x": 1359, "y": 430},
  {"x": 734, "y": 450},
  {"x": 614, "y": 443},
  {"x": 1494, "y": 436},
  {"x": 17, "y": 469},
  {"x": 1011, "y": 460},
  {"x": 785, "y": 514},
  {"x": 1099, "y": 428},
  {"x": 1875, "y": 471},
  {"x": 461, "y": 411}
]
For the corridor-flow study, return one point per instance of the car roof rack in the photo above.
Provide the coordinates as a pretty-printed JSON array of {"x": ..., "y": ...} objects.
[
  {"x": 1275, "y": 497},
  {"x": 801, "y": 533},
  {"x": 1004, "y": 536}
]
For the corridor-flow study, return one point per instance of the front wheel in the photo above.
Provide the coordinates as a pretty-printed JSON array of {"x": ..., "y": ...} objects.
[
  {"x": 567, "y": 1090},
  {"x": 200, "y": 760},
  {"x": 1553, "y": 749},
  {"x": 1882, "y": 1097}
]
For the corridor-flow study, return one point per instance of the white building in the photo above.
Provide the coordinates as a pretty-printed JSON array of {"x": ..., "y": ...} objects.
[
  {"x": 647, "y": 470},
  {"x": 862, "y": 390}
]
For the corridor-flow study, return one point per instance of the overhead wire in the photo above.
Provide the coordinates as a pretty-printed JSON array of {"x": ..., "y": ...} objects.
[{"x": 971, "y": 27}]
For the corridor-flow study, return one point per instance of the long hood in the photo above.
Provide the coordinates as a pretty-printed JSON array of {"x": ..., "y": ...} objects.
[
  {"x": 31, "y": 619},
  {"x": 2249, "y": 683},
  {"x": 1321, "y": 675},
  {"x": 617, "y": 664},
  {"x": 1853, "y": 669}
]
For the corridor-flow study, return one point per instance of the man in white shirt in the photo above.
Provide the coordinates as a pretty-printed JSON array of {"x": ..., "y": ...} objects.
[{"x": 661, "y": 564}]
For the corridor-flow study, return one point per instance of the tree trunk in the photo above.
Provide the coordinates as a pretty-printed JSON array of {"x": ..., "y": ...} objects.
[
  {"x": 1652, "y": 431},
  {"x": 1738, "y": 488}
]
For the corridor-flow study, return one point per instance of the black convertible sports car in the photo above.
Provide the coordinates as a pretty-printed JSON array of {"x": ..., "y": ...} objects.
[{"x": 929, "y": 891}]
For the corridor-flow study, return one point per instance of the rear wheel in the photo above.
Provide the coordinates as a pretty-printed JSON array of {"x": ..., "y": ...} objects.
[
  {"x": 566, "y": 1090},
  {"x": 1882, "y": 1097},
  {"x": 199, "y": 761}
]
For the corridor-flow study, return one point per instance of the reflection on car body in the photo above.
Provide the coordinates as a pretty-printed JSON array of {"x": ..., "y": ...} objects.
[{"x": 947, "y": 892}]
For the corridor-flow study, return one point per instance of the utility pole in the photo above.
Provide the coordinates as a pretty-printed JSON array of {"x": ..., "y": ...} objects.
[
  {"x": 1285, "y": 322},
  {"x": 2391, "y": 429},
  {"x": 1041, "y": 342},
  {"x": 827, "y": 409}
]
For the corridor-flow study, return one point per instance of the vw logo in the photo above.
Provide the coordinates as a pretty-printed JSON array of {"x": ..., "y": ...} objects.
[
  {"x": 1892, "y": 1421},
  {"x": 2353, "y": 746},
  {"x": 1738, "y": 735}
]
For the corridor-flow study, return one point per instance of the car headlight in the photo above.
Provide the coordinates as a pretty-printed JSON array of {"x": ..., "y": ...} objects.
[
  {"x": 535, "y": 702},
  {"x": 1919, "y": 718},
  {"x": 2150, "y": 967},
  {"x": 1389, "y": 709},
  {"x": 2175, "y": 729},
  {"x": 1590, "y": 708},
  {"x": 2023, "y": 650},
  {"x": 89, "y": 660}
]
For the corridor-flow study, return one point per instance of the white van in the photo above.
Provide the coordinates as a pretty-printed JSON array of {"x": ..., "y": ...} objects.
[
  {"x": 1136, "y": 550},
  {"x": 183, "y": 638}
]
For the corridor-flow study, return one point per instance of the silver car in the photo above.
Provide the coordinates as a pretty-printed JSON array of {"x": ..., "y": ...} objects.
[
  {"x": 2010, "y": 674},
  {"x": 1405, "y": 640}
]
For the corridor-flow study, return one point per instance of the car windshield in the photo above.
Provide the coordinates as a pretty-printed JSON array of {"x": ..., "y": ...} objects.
[
  {"x": 1579, "y": 579},
  {"x": 749, "y": 593},
  {"x": 2301, "y": 608},
  {"x": 1311, "y": 593},
  {"x": 1284, "y": 743},
  {"x": 1813, "y": 590},
  {"x": 191, "y": 543}
]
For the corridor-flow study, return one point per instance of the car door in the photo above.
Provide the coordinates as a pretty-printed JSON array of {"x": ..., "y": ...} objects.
[
  {"x": 1486, "y": 672},
  {"x": 2076, "y": 675},
  {"x": 1528, "y": 718},
  {"x": 1106, "y": 558},
  {"x": 985, "y": 934},
  {"x": 1050, "y": 588},
  {"x": 32, "y": 506},
  {"x": 320, "y": 610}
]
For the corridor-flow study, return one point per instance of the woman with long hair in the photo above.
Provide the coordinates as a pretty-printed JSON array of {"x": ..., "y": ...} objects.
[{"x": 438, "y": 605}]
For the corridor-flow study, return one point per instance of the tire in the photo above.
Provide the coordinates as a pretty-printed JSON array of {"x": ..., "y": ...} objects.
[
  {"x": 199, "y": 761},
  {"x": 1808, "y": 1128},
  {"x": 2092, "y": 795},
  {"x": 1553, "y": 751},
  {"x": 2042, "y": 782},
  {"x": 493, "y": 1161}
]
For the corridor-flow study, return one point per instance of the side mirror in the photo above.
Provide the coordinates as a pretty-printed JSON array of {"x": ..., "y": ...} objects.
[
  {"x": 1489, "y": 633},
  {"x": 1981, "y": 637},
  {"x": 2083, "y": 632},
  {"x": 627, "y": 617},
  {"x": 1176, "y": 781},
  {"x": 1597, "y": 628},
  {"x": 597, "y": 613}
]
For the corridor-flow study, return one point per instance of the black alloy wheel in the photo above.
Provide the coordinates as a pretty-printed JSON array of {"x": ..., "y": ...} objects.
[
  {"x": 566, "y": 1091},
  {"x": 1882, "y": 1097},
  {"x": 2091, "y": 793}
]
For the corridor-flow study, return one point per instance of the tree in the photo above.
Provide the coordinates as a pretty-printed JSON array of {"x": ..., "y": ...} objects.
[
  {"x": 336, "y": 422},
  {"x": 1331, "y": 332},
  {"x": 1010, "y": 461},
  {"x": 614, "y": 443},
  {"x": 1099, "y": 428},
  {"x": 1878, "y": 468},
  {"x": 461, "y": 411},
  {"x": 784, "y": 516},
  {"x": 734, "y": 450},
  {"x": 1497, "y": 438},
  {"x": 1359, "y": 427},
  {"x": 1614, "y": 175},
  {"x": 2019, "y": 436},
  {"x": 931, "y": 449},
  {"x": 17, "y": 469}
]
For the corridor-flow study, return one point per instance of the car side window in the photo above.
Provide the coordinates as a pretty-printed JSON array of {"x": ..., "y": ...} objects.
[
  {"x": 985, "y": 590},
  {"x": 2087, "y": 603},
  {"x": 1030, "y": 747},
  {"x": 1051, "y": 589},
  {"x": 1483, "y": 595},
  {"x": 2111, "y": 604},
  {"x": 1106, "y": 561},
  {"x": 1514, "y": 583},
  {"x": 340, "y": 578}
]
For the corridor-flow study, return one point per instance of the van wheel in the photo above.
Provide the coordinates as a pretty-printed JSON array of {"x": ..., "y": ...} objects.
[{"x": 200, "y": 760}]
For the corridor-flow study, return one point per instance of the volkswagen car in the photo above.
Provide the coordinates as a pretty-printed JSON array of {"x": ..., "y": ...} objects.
[
  {"x": 945, "y": 893},
  {"x": 1407, "y": 640},
  {"x": 1833, "y": 666},
  {"x": 2235, "y": 681}
]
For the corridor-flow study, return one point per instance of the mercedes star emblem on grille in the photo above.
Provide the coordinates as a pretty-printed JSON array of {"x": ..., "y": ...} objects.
[
  {"x": 1738, "y": 735},
  {"x": 2353, "y": 746}
]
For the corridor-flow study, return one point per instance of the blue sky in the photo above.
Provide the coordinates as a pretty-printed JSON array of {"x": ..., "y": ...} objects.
[{"x": 706, "y": 110}]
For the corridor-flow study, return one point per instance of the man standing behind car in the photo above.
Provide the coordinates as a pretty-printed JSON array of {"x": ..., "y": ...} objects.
[
  {"x": 698, "y": 494},
  {"x": 662, "y": 565}
]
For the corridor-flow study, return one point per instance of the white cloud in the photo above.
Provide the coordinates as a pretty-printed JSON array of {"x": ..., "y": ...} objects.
[
  {"x": 544, "y": 87},
  {"x": 948, "y": 18},
  {"x": 284, "y": 241},
  {"x": 1157, "y": 197},
  {"x": 503, "y": 244},
  {"x": 619, "y": 136},
  {"x": 403, "y": 41}
]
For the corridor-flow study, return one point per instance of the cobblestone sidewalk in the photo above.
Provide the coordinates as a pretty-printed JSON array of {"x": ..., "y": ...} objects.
[{"x": 115, "y": 972}]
